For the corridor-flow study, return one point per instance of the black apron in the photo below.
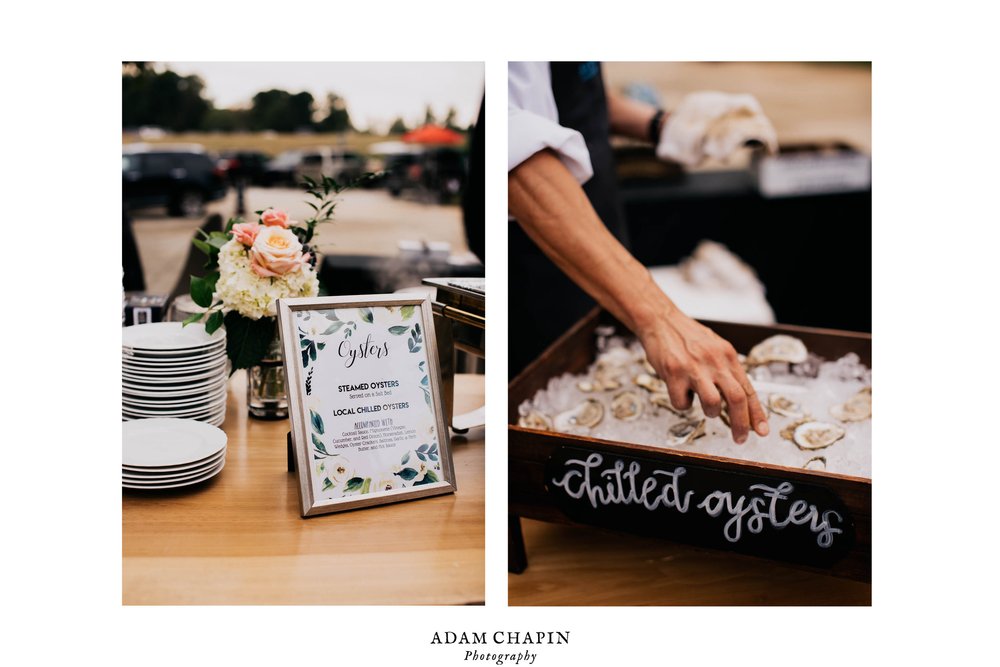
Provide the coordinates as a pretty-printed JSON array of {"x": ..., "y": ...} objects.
[{"x": 542, "y": 301}]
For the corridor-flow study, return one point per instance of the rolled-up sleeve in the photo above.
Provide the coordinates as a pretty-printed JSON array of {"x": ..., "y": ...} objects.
[{"x": 533, "y": 125}]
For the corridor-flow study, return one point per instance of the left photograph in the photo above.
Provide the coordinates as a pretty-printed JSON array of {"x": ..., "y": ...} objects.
[{"x": 303, "y": 326}]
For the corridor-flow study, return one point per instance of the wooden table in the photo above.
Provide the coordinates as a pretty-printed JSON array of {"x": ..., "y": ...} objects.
[
  {"x": 580, "y": 565},
  {"x": 239, "y": 539}
]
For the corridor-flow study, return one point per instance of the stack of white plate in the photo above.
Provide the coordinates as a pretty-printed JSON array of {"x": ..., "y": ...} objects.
[
  {"x": 169, "y": 370},
  {"x": 170, "y": 453}
]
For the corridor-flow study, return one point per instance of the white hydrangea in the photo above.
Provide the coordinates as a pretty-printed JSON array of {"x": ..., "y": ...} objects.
[{"x": 242, "y": 290}]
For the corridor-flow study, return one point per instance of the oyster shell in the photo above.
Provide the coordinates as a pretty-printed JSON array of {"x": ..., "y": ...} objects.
[
  {"x": 778, "y": 348},
  {"x": 536, "y": 420},
  {"x": 662, "y": 400},
  {"x": 856, "y": 409},
  {"x": 586, "y": 415},
  {"x": 648, "y": 367},
  {"x": 780, "y": 404},
  {"x": 816, "y": 463},
  {"x": 685, "y": 432},
  {"x": 586, "y": 386},
  {"x": 627, "y": 406},
  {"x": 650, "y": 383},
  {"x": 816, "y": 435}
]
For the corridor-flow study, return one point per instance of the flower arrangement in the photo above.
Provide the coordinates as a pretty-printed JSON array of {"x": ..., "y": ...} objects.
[{"x": 253, "y": 264}]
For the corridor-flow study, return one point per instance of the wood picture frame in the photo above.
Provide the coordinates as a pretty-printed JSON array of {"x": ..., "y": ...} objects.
[{"x": 364, "y": 397}]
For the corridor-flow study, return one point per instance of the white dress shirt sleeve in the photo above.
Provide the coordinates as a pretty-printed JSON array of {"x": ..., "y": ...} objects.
[{"x": 533, "y": 121}]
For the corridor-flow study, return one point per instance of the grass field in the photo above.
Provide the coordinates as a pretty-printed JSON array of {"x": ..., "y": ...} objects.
[{"x": 268, "y": 142}]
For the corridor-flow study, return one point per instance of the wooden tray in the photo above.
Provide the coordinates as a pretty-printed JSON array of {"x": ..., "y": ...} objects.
[{"x": 547, "y": 473}]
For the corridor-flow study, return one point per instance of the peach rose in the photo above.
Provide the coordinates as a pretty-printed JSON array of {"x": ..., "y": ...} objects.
[
  {"x": 246, "y": 232},
  {"x": 275, "y": 252},
  {"x": 272, "y": 218}
]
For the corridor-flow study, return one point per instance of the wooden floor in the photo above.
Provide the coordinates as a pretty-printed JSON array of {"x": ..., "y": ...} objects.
[{"x": 573, "y": 566}]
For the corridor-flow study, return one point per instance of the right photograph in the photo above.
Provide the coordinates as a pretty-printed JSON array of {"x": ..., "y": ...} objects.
[{"x": 690, "y": 390}]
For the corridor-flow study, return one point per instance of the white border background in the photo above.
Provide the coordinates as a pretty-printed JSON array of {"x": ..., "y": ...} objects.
[{"x": 935, "y": 238}]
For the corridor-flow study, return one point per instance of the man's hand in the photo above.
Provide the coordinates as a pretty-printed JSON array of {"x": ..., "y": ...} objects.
[
  {"x": 693, "y": 359},
  {"x": 554, "y": 211},
  {"x": 709, "y": 124}
]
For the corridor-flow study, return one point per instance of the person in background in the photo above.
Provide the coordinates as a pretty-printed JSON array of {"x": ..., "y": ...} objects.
[{"x": 569, "y": 244}]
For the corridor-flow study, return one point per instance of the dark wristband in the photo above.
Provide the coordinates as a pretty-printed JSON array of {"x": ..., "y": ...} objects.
[{"x": 654, "y": 126}]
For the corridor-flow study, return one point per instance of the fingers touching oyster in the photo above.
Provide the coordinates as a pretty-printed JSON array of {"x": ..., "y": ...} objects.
[
  {"x": 778, "y": 348},
  {"x": 627, "y": 406},
  {"x": 650, "y": 383},
  {"x": 586, "y": 415}
]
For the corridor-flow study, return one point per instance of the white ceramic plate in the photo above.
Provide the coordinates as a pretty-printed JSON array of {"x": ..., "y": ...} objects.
[
  {"x": 169, "y": 442},
  {"x": 175, "y": 485},
  {"x": 203, "y": 465},
  {"x": 203, "y": 398},
  {"x": 213, "y": 418},
  {"x": 163, "y": 363},
  {"x": 168, "y": 336},
  {"x": 171, "y": 478},
  {"x": 186, "y": 378},
  {"x": 168, "y": 391},
  {"x": 198, "y": 413}
]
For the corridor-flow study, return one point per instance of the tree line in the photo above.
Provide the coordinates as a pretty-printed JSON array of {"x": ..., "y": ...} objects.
[{"x": 164, "y": 98}]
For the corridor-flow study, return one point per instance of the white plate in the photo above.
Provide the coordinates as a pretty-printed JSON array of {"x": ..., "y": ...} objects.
[
  {"x": 148, "y": 480},
  {"x": 161, "y": 391},
  {"x": 169, "y": 442},
  {"x": 185, "y": 379},
  {"x": 198, "y": 413},
  {"x": 162, "y": 363},
  {"x": 176, "y": 485},
  {"x": 212, "y": 418},
  {"x": 168, "y": 336},
  {"x": 203, "y": 464},
  {"x": 204, "y": 398}
]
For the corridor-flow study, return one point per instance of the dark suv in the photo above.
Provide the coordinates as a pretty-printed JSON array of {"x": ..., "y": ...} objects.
[{"x": 183, "y": 178}]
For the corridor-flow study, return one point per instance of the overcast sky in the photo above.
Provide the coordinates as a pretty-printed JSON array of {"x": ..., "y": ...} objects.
[{"x": 376, "y": 93}]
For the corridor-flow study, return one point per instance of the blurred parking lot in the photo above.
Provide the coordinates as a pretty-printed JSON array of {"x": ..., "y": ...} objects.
[{"x": 366, "y": 222}]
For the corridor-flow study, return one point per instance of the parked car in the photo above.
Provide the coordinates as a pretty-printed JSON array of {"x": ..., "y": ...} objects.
[
  {"x": 181, "y": 178},
  {"x": 250, "y": 165},
  {"x": 438, "y": 172},
  {"x": 290, "y": 167}
]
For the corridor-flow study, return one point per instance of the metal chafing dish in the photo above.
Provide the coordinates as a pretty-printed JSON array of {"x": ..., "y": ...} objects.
[{"x": 460, "y": 325}]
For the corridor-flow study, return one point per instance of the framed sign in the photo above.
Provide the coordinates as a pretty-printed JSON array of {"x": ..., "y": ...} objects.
[{"x": 367, "y": 421}]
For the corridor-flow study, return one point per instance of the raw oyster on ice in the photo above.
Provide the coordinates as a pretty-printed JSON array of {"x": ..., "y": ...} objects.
[
  {"x": 586, "y": 415},
  {"x": 685, "y": 432},
  {"x": 780, "y": 404},
  {"x": 778, "y": 348},
  {"x": 856, "y": 409},
  {"x": 816, "y": 463},
  {"x": 536, "y": 420},
  {"x": 650, "y": 383},
  {"x": 627, "y": 406},
  {"x": 817, "y": 435}
]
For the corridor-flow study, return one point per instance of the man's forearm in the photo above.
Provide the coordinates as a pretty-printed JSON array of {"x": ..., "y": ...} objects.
[{"x": 553, "y": 210}]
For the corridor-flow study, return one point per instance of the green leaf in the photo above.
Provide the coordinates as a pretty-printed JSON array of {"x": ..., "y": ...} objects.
[
  {"x": 317, "y": 422},
  {"x": 333, "y": 328},
  {"x": 423, "y": 380},
  {"x": 367, "y": 486},
  {"x": 191, "y": 319},
  {"x": 247, "y": 340},
  {"x": 423, "y": 448},
  {"x": 406, "y": 473},
  {"x": 320, "y": 447},
  {"x": 353, "y": 484},
  {"x": 398, "y": 330},
  {"x": 327, "y": 484},
  {"x": 233, "y": 222},
  {"x": 406, "y": 459},
  {"x": 409, "y": 343},
  {"x": 429, "y": 478},
  {"x": 202, "y": 289},
  {"x": 213, "y": 322},
  {"x": 201, "y": 245},
  {"x": 367, "y": 315}
]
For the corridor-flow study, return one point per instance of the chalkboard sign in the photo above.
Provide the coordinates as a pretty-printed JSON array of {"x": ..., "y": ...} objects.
[
  {"x": 695, "y": 503},
  {"x": 365, "y": 401}
]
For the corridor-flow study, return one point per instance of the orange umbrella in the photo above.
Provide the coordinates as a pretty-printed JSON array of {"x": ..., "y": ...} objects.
[{"x": 433, "y": 134}]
